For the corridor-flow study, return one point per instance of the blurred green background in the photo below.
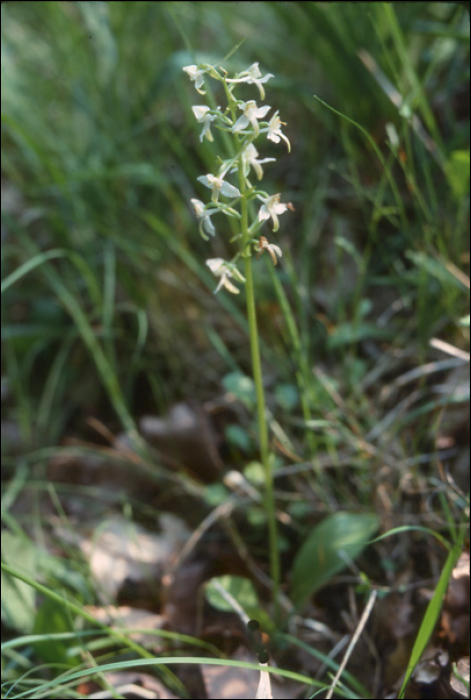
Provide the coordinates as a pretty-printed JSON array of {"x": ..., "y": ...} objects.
[{"x": 108, "y": 308}]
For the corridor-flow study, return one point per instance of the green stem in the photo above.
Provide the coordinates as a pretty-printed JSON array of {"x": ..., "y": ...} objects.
[{"x": 258, "y": 380}]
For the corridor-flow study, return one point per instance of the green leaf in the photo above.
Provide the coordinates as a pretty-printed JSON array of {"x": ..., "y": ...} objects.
[
  {"x": 215, "y": 494},
  {"x": 348, "y": 333},
  {"x": 239, "y": 587},
  {"x": 238, "y": 437},
  {"x": 431, "y": 614},
  {"x": 53, "y": 618},
  {"x": 242, "y": 590},
  {"x": 457, "y": 170},
  {"x": 435, "y": 268},
  {"x": 242, "y": 387},
  {"x": 255, "y": 473},
  {"x": 287, "y": 396},
  {"x": 320, "y": 556},
  {"x": 18, "y": 599}
]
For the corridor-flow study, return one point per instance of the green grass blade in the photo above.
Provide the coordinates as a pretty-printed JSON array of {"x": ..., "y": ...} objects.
[
  {"x": 431, "y": 614},
  {"x": 29, "y": 265}
]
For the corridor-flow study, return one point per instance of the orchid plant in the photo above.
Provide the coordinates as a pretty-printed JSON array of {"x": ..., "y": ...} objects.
[{"x": 244, "y": 122}]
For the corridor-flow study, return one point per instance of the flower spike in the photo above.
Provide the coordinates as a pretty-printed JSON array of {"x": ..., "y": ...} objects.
[{"x": 244, "y": 158}]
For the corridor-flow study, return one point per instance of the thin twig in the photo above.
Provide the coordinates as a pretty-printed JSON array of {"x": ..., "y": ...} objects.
[{"x": 351, "y": 646}]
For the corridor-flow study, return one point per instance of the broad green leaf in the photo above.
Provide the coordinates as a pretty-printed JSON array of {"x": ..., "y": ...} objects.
[
  {"x": 18, "y": 599},
  {"x": 320, "y": 557},
  {"x": 243, "y": 592},
  {"x": 53, "y": 618},
  {"x": 239, "y": 587}
]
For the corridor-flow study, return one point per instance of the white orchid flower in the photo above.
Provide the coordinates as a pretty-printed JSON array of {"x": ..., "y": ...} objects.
[
  {"x": 218, "y": 185},
  {"x": 220, "y": 268},
  {"x": 273, "y": 249},
  {"x": 206, "y": 224},
  {"x": 250, "y": 116},
  {"x": 270, "y": 208},
  {"x": 202, "y": 115},
  {"x": 274, "y": 130},
  {"x": 197, "y": 75},
  {"x": 250, "y": 159},
  {"x": 252, "y": 76}
]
